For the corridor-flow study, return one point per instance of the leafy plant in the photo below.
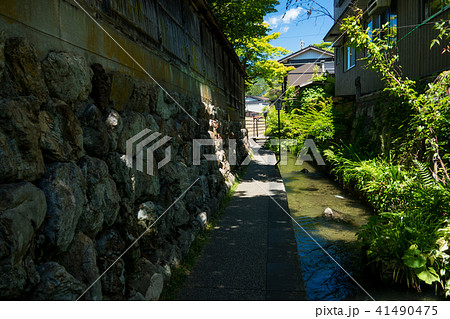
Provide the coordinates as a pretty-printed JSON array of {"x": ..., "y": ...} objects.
[
  {"x": 429, "y": 108},
  {"x": 407, "y": 238},
  {"x": 444, "y": 35},
  {"x": 311, "y": 115}
]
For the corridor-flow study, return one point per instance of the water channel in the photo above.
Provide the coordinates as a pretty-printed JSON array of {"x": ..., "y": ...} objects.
[{"x": 309, "y": 193}]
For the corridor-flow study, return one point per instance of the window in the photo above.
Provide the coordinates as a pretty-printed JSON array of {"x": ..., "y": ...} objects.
[
  {"x": 373, "y": 24},
  {"x": 370, "y": 27},
  {"x": 376, "y": 22},
  {"x": 350, "y": 58},
  {"x": 393, "y": 24},
  {"x": 431, "y": 7},
  {"x": 392, "y": 18}
]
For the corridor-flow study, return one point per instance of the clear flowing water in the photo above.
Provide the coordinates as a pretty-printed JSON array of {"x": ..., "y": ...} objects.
[{"x": 309, "y": 193}]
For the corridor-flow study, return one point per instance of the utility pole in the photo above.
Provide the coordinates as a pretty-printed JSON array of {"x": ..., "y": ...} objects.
[
  {"x": 278, "y": 106},
  {"x": 265, "y": 123}
]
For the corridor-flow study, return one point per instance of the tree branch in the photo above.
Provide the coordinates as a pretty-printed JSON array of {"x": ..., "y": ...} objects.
[{"x": 310, "y": 6}]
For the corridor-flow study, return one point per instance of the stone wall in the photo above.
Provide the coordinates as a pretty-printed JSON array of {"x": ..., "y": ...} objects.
[
  {"x": 177, "y": 42},
  {"x": 69, "y": 204}
]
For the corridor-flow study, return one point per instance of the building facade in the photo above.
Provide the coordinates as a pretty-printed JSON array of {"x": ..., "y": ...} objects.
[
  {"x": 254, "y": 105},
  {"x": 412, "y": 19},
  {"x": 307, "y": 61}
]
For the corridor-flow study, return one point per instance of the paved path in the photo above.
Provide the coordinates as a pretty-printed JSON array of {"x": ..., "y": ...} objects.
[{"x": 252, "y": 253}]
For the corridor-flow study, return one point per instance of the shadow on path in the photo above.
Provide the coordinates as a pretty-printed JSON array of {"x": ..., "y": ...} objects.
[{"x": 252, "y": 253}]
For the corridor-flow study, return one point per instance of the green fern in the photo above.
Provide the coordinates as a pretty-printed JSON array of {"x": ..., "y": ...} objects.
[{"x": 424, "y": 174}]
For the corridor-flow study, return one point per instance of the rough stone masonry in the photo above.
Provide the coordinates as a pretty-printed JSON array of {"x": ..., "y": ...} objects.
[{"x": 69, "y": 205}]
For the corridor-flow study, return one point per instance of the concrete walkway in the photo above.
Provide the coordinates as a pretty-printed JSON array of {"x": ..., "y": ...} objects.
[{"x": 252, "y": 253}]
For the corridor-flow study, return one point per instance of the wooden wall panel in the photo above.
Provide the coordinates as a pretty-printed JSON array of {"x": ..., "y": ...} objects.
[
  {"x": 142, "y": 14},
  {"x": 416, "y": 58}
]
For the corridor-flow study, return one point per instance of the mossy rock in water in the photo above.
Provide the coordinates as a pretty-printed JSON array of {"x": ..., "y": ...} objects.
[{"x": 336, "y": 215}]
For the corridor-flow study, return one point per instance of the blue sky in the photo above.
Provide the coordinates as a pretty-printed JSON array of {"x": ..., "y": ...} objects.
[{"x": 293, "y": 31}]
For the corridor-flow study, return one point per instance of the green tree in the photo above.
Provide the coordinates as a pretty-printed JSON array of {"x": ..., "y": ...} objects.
[
  {"x": 261, "y": 88},
  {"x": 272, "y": 93},
  {"x": 243, "y": 24},
  {"x": 324, "y": 46},
  {"x": 258, "y": 88}
]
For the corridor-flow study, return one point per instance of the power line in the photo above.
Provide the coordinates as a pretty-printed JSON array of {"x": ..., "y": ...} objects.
[
  {"x": 416, "y": 26},
  {"x": 420, "y": 24},
  {"x": 300, "y": 36}
]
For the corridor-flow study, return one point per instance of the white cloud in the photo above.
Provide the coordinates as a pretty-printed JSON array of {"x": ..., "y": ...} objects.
[
  {"x": 291, "y": 15},
  {"x": 274, "y": 21},
  {"x": 284, "y": 29},
  {"x": 287, "y": 18}
]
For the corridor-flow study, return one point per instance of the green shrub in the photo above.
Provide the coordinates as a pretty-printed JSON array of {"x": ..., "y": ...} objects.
[
  {"x": 311, "y": 115},
  {"x": 408, "y": 237}
]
